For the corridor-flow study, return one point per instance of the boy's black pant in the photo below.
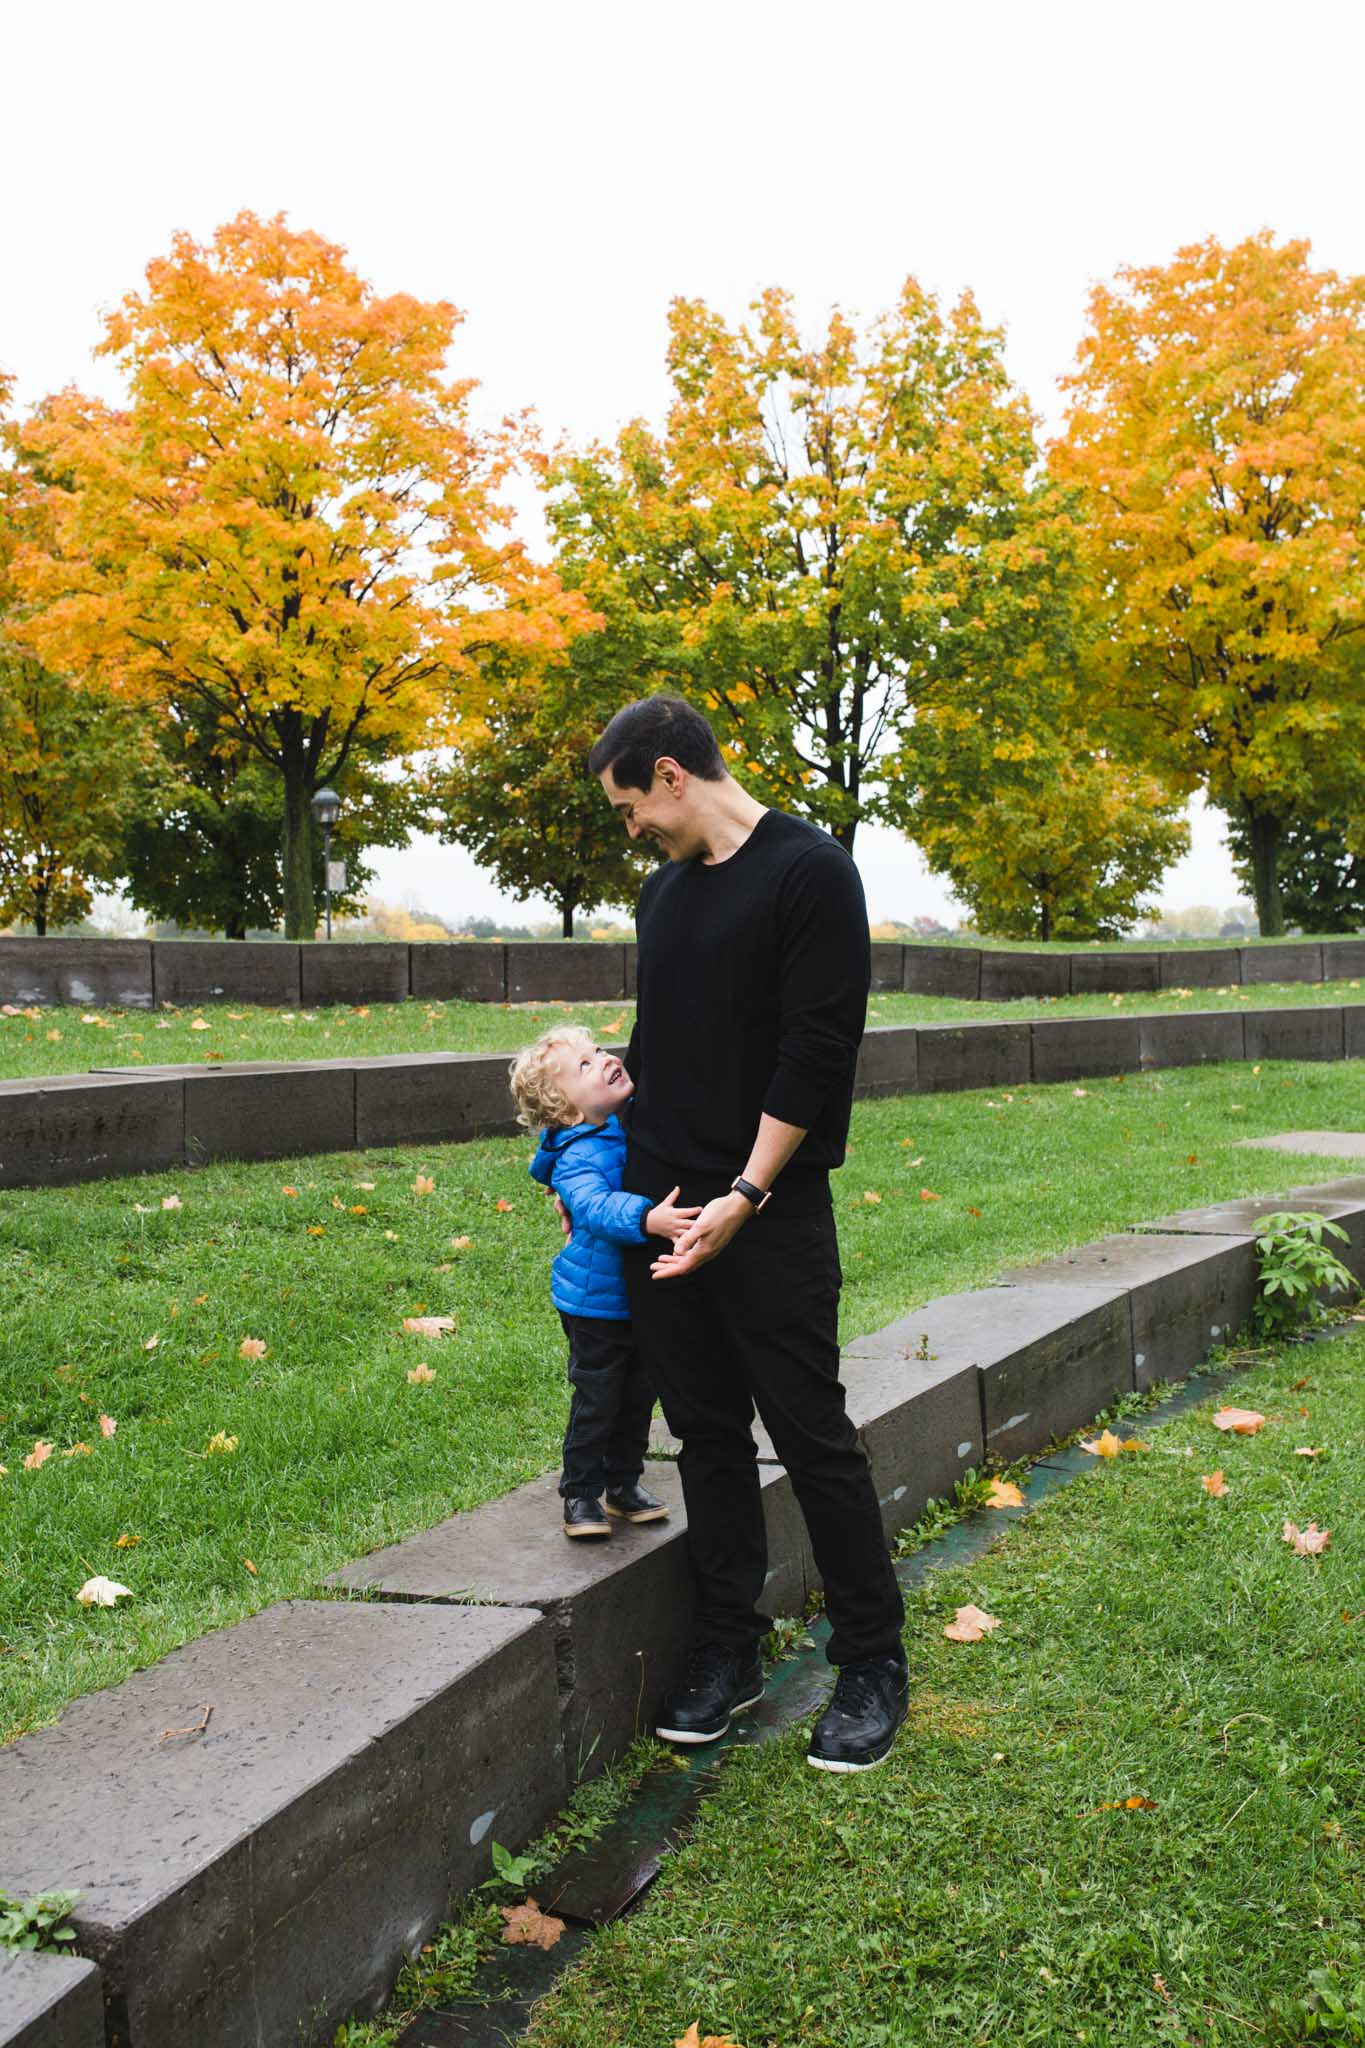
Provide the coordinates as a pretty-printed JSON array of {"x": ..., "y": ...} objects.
[
  {"x": 757, "y": 1327},
  {"x": 613, "y": 1399}
]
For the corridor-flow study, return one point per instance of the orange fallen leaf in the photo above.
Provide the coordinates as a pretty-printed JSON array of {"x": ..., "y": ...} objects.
[
  {"x": 1214, "y": 1483},
  {"x": 250, "y": 1566},
  {"x": 1241, "y": 1421},
  {"x": 289, "y": 1191},
  {"x": 424, "y": 1185},
  {"x": 421, "y": 1376},
  {"x": 359, "y": 1209},
  {"x": 251, "y": 1347},
  {"x": 316, "y": 1230},
  {"x": 1135, "y": 1804},
  {"x": 37, "y": 1457},
  {"x": 928, "y": 1195},
  {"x": 460, "y": 1244},
  {"x": 200, "y": 1024},
  {"x": 528, "y": 1924},
  {"x": 1107, "y": 1445},
  {"x": 616, "y": 1024},
  {"x": 428, "y": 1326},
  {"x": 1004, "y": 1494},
  {"x": 1193, "y": 1159},
  {"x": 1307, "y": 1451},
  {"x": 1309, "y": 1542},
  {"x": 694, "y": 2039},
  {"x": 969, "y": 1624},
  {"x": 107, "y": 1425},
  {"x": 971, "y": 1211},
  {"x": 199, "y": 1301},
  {"x": 871, "y": 1195}
]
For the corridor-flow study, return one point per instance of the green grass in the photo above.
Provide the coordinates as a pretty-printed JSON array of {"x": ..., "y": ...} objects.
[
  {"x": 337, "y": 1452},
  {"x": 985, "y": 1888},
  {"x": 67, "y": 1040}
]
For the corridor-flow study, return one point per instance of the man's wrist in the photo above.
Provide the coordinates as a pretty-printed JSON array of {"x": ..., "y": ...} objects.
[{"x": 749, "y": 1192}]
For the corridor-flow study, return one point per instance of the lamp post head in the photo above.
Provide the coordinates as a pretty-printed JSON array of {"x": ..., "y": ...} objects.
[{"x": 326, "y": 807}]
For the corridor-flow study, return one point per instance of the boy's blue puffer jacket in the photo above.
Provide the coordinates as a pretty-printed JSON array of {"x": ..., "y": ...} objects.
[{"x": 584, "y": 1166}]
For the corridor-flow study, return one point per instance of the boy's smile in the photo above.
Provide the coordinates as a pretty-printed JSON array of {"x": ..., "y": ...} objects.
[{"x": 594, "y": 1080}]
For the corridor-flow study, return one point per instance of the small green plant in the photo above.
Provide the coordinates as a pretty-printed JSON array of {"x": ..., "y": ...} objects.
[
  {"x": 1294, "y": 1267},
  {"x": 1334, "y": 2010},
  {"x": 940, "y": 1515},
  {"x": 512, "y": 1870},
  {"x": 36, "y": 1922}
]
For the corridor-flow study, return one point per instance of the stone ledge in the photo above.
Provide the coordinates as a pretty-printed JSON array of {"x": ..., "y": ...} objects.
[
  {"x": 262, "y": 1880},
  {"x": 49, "y": 2000}
]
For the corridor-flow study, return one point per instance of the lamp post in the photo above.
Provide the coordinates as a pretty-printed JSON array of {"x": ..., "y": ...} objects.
[{"x": 326, "y": 808}]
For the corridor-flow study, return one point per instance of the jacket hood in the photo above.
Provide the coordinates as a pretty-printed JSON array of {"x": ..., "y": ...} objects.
[{"x": 554, "y": 1142}]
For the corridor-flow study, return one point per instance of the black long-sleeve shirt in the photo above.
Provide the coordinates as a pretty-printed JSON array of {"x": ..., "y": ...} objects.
[{"x": 752, "y": 981}]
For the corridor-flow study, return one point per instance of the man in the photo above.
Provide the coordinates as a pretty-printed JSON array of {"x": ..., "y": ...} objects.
[{"x": 754, "y": 966}]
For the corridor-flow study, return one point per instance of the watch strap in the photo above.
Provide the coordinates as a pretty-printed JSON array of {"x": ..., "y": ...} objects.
[{"x": 760, "y": 1197}]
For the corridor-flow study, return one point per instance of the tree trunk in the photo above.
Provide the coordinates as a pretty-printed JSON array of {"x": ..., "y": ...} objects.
[
  {"x": 844, "y": 834},
  {"x": 1045, "y": 920},
  {"x": 40, "y": 910},
  {"x": 234, "y": 926},
  {"x": 565, "y": 918},
  {"x": 1265, "y": 873},
  {"x": 300, "y": 906}
]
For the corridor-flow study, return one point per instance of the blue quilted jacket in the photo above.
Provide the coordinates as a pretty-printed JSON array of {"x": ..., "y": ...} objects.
[{"x": 584, "y": 1166}]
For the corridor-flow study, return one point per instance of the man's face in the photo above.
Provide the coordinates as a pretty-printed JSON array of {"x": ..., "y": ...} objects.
[{"x": 659, "y": 813}]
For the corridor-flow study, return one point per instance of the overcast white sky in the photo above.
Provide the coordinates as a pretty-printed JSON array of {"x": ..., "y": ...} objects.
[{"x": 561, "y": 172}]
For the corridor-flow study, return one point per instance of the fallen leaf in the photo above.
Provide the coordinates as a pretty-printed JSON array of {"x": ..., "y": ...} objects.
[
  {"x": 973, "y": 1212},
  {"x": 126, "y": 1542},
  {"x": 1214, "y": 1483},
  {"x": 1135, "y": 1804},
  {"x": 871, "y": 1195},
  {"x": 1307, "y": 1451},
  {"x": 528, "y": 1924},
  {"x": 421, "y": 1376},
  {"x": 289, "y": 1191},
  {"x": 460, "y": 1244},
  {"x": 502, "y": 1205},
  {"x": 1193, "y": 1159},
  {"x": 201, "y": 1024},
  {"x": 151, "y": 1343},
  {"x": 251, "y": 1347},
  {"x": 692, "y": 2039},
  {"x": 367, "y": 1186},
  {"x": 392, "y": 1236},
  {"x": 37, "y": 1457},
  {"x": 143, "y": 1209},
  {"x": 78, "y": 1451},
  {"x": 199, "y": 1301},
  {"x": 1004, "y": 1494},
  {"x": 220, "y": 1444},
  {"x": 250, "y": 1566},
  {"x": 171, "y": 1202},
  {"x": 53, "y": 1036},
  {"x": 1105, "y": 1445},
  {"x": 337, "y": 1202},
  {"x": 316, "y": 1230},
  {"x": 101, "y": 1592},
  {"x": 424, "y": 1185},
  {"x": 428, "y": 1326},
  {"x": 358, "y": 1209},
  {"x": 1241, "y": 1421},
  {"x": 1309, "y": 1542},
  {"x": 969, "y": 1625},
  {"x": 108, "y": 1426},
  {"x": 928, "y": 1195},
  {"x": 1080, "y": 1091}
]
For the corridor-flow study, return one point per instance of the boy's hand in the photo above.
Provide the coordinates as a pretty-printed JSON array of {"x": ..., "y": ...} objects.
[
  {"x": 715, "y": 1225},
  {"x": 664, "y": 1220}
]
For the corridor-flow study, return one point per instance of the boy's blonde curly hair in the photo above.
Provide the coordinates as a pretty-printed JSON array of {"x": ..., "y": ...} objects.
[{"x": 535, "y": 1086}]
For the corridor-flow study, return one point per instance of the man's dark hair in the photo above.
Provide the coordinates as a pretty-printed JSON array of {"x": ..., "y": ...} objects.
[{"x": 642, "y": 733}]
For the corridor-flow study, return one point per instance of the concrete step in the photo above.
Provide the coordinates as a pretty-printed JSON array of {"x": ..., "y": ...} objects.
[{"x": 49, "y": 2000}]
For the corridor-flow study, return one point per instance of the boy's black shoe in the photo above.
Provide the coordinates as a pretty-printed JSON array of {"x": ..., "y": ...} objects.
[
  {"x": 858, "y": 1727},
  {"x": 583, "y": 1516},
  {"x": 717, "y": 1684},
  {"x": 634, "y": 1504}
]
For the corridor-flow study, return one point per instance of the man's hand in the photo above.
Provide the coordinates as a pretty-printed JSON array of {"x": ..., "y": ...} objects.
[{"x": 705, "y": 1239}]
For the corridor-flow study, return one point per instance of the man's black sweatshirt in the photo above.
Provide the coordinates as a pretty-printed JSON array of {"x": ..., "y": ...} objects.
[{"x": 752, "y": 982}]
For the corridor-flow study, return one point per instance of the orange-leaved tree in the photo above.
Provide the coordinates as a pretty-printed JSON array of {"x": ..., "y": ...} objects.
[
  {"x": 811, "y": 527},
  {"x": 1217, "y": 433},
  {"x": 293, "y": 522}
]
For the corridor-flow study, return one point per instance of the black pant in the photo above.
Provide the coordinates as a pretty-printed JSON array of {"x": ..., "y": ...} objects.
[
  {"x": 613, "y": 1399},
  {"x": 758, "y": 1327}
]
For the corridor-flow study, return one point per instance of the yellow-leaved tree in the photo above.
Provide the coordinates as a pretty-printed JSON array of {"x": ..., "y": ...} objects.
[
  {"x": 1216, "y": 433},
  {"x": 293, "y": 523}
]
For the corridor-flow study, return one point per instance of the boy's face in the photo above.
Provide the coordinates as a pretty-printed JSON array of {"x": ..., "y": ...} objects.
[{"x": 594, "y": 1081}]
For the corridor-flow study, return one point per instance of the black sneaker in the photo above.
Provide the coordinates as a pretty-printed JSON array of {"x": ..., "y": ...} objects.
[
  {"x": 858, "y": 1727},
  {"x": 717, "y": 1684},
  {"x": 583, "y": 1516},
  {"x": 635, "y": 1504}
]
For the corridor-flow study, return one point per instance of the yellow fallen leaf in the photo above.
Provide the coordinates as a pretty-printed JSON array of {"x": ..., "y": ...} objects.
[
  {"x": 392, "y": 1236},
  {"x": 251, "y": 1347},
  {"x": 1309, "y": 1542},
  {"x": 421, "y": 1376},
  {"x": 1214, "y": 1483},
  {"x": 316, "y": 1230},
  {"x": 871, "y": 1195},
  {"x": 37, "y": 1457},
  {"x": 528, "y": 1924},
  {"x": 460, "y": 1244},
  {"x": 1004, "y": 1494},
  {"x": 424, "y": 1185},
  {"x": 250, "y": 1566},
  {"x": 1134, "y": 1804},
  {"x": 151, "y": 1343},
  {"x": 201, "y": 1024},
  {"x": 78, "y": 1451},
  {"x": 220, "y": 1445},
  {"x": 199, "y": 1301},
  {"x": 359, "y": 1209},
  {"x": 428, "y": 1326},
  {"x": 969, "y": 1624},
  {"x": 102, "y": 1592},
  {"x": 126, "y": 1542},
  {"x": 693, "y": 2039},
  {"x": 1105, "y": 1445},
  {"x": 367, "y": 1186},
  {"x": 1241, "y": 1421}
]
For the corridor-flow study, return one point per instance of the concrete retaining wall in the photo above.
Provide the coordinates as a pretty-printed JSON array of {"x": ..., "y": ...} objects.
[
  {"x": 49, "y": 2000},
  {"x": 259, "y": 1878},
  {"x": 119, "y": 1120},
  {"x": 141, "y": 973}
]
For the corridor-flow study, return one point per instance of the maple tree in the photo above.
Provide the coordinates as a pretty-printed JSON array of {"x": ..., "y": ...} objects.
[
  {"x": 292, "y": 522},
  {"x": 1216, "y": 434},
  {"x": 812, "y": 528},
  {"x": 517, "y": 794}
]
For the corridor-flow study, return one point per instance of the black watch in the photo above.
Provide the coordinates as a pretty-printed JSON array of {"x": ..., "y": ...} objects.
[{"x": 758, "y": 1196}]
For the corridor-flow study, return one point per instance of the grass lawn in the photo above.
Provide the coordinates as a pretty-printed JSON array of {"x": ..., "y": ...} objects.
[
  {"x": 71, "y": 1040},
  {"x": 989, "y": 1885},
  {"x": 337, "y": 1451}
]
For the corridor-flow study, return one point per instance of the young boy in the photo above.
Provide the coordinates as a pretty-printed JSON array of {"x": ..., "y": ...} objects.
[{"x": 572, "y": 1091}]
